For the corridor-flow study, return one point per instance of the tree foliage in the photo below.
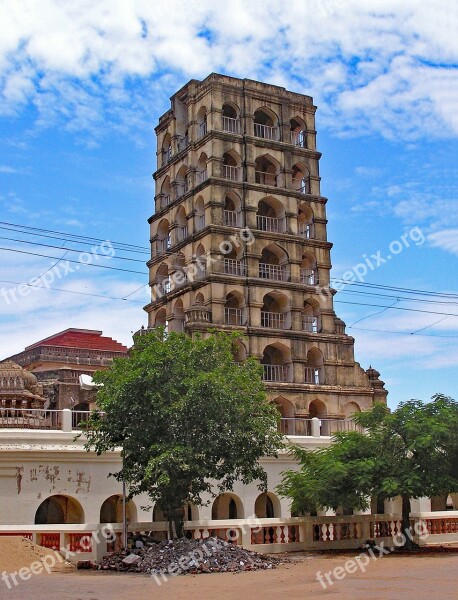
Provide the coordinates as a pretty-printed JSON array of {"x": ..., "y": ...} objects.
[
  {"x": 410, "y": 452},
  {"x": 184, "y": 413}
]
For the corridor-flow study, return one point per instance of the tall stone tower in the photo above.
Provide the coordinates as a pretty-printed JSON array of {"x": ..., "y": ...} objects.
[{"x": 238, "y": 242}]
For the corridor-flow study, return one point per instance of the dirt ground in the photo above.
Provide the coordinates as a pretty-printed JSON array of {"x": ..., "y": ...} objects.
[{"x": 432, "y": 576}]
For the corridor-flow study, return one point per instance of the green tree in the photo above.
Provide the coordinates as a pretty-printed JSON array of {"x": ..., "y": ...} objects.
[
  {"x": 410, "y": 452},
  {"x": 184, "y": 413}
]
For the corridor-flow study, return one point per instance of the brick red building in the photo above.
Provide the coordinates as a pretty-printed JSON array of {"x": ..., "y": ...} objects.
[{"x": 59, "y": 360}]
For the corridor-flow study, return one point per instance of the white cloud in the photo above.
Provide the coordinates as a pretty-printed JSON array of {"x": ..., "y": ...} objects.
[
  {"x": 447, "y": 240},
  {"x": 383, "y": 66}
]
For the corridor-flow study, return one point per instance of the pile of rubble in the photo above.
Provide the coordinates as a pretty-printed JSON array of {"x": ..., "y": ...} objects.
[{"x": 212, "y": 555}]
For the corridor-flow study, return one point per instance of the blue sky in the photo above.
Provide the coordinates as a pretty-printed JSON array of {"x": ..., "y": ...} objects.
[{"x": 81, "y": 88}]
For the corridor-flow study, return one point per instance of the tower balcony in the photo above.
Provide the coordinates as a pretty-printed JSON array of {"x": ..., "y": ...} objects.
[
  {"x": 230, "y": 218},
  {"x": 272, "y": 272},
  {"x": 306, "y": 230},
  {"x": 299, "y": 139},
  {"x": 309, "y": 276},
  {"x": 233, "y": 316},
  {"x": 163, "y": 245},
  {"x": 273, "y": 320},
  {"x": 230, "y": 266},
  {"x": 310, "y": 324},
  {"x": 181, "y": 233},
  {"x": 231, "y": 172},
  {"x": 266, "y": 132},
  {"x": 272, "y": 224},
  {"x": 201, "y": 176},
  {"x": 231, "y": 125},
  {"x": 278, "y": 373},
  {"x": 313, "y": 375}
]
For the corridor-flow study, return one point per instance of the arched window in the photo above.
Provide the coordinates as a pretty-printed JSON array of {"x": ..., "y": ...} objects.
[
  {"x": 231, "y": 210},
  {"x": 232, "y": 263},
  {"x": 276, "y": 361},
  {"x": 163, "y": 242},
  {"x": 166, "y": 149},
  {"x": 314, "y": 370},
  {"x": 266, "y": 124},
  {"x": 111, "y": 510},
  {"x": 181, "y": 182},
  {"x": 274, "y": 264},
  {"x": 163, "y": 278},
  {"x": 275, "y": 311},
  {"x": 308, "y": 269},
  {"x": 266, "y": 170},
  {"x": 201, "y": 172},
  {"x": 234, "y": 309},
  {"x": 227, "y": 506},
  {"x": 199, "y": 214},
  {"x": 311, "y": 321},
  {"x": 305, "y": 224},
  {"x": 317, "y": 409},
  {"x": 181, "y": 231},
  {"x": 231, "y": 122},
  {"x": 267, "y": 506},
  {"x": 298, "y": 132},
  {"x": 231, "y": 165},
  {"x": 177, "y": 319},
  {"x": 270, "y": 215},
  {"x": 301, "y": 179},
  {"x": 165, "y": 194},
  {"x": 201, "y": 122},
  {"x": 59, "y": 510}
]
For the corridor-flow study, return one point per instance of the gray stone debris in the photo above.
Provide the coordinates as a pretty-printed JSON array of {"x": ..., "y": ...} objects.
[{"x": 212, "y": 555}]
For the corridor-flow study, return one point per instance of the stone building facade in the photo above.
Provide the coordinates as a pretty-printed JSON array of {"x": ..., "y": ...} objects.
[
  {"x": 59, "y": 360},
  {"x": 239, "y": 242}
]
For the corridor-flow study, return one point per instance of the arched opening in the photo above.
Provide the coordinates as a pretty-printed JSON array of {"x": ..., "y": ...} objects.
[
  {"x": 181, "y": 181},
  {"x": 59, "y": 510},
  {"x": 231, "y": 122},
  {"x": 267, "y": 506},
  {"x": 166, "y": 149},
  {"x": 231, "y": 165},
  {"x": 227, "y": 506},
  {"x": 166, "y": 197},
  {"x": 163, "y": 242},
  {"x": 201, "y": 262},
  {"x": 351, "y": 408},
  {"x": 308, "y": 269},
  {"x": 287, "y": 424},
  {"x": 276, "y": 361},
  {"x": 311, "y": 321},
  {"x": 275, "y": 311},
  {"x": 270, "y": 215},
  {"x": 163, "y": 278},
  {"x": 234, "y": 309},
  {"x": 266, "y": 170},
  {"x": 298, "y": 132},
  {"x": 301, "y": 179},
  {"x": 177, "y": 319},
  {"x": 201, "y": 122},
  {"x": 317, "y": 409},
  {"x": 201, "y": 172},
  {"x": 232, "y": 262},
  {"x": 266, "y": 124},
  {"x": 199, "y": 214},
  {"x": 231, "y": 210},
  {"x": 274, "y": 264},
  {"x": 314, "y": 370},
  {"x": 111, "y": 510},
  {"x": 240, "y": 351},
  {"x": 199, "y": 300},
  {"x": 161, "y": 319},
  {"x": 181, "y": 231},
  {"x": 305, "y": 224}
]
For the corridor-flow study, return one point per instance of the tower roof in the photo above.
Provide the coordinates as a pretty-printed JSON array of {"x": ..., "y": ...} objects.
[{"x": 88, "y": 339}]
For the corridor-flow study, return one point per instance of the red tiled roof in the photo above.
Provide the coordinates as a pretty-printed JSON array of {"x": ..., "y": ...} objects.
[{"x": 87, "y": 339}]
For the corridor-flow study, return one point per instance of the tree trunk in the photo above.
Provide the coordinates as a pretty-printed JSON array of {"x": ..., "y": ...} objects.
[
  {"x": 175, "y": 521},
  {"x": 408, "y": 535}
]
